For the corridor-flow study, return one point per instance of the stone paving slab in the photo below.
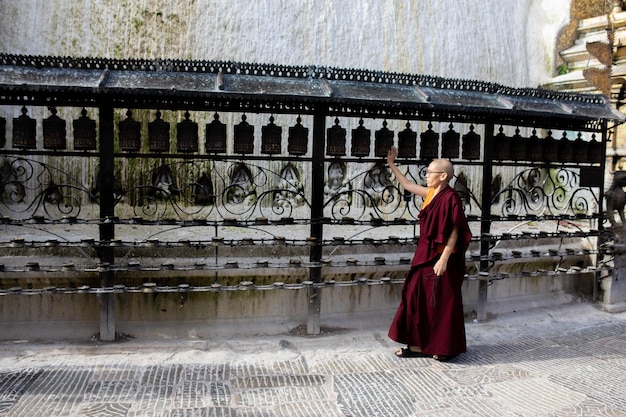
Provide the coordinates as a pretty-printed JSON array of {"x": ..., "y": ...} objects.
[{"x": 566, "y": 361}]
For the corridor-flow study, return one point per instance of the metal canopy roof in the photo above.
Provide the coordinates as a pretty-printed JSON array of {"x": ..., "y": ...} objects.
[{"x": 254, "y": 87}]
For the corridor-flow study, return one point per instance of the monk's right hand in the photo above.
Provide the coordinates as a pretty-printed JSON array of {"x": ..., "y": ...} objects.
[{"x": 392, "y": 154}]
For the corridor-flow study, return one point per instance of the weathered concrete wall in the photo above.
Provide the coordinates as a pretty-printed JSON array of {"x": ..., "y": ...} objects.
[
  {"x": 506, "y": 41},
  {"x": 613, "y": 287},
  {"x": 251, "y": 312}
]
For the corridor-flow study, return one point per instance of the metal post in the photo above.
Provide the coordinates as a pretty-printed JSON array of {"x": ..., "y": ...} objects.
[
  {"x": 317, "y": 211},
  {"x": 485, "y": 223},
  {"x": 602, "y": 238},
  {"x": 106, "y": 184}
]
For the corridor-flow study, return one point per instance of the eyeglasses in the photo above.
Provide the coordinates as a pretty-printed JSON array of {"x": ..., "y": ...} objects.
[{"x": 434, "y": 172}]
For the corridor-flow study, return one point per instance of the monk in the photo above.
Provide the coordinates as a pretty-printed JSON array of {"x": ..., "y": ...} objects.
[{"x": 430, "y": 318}]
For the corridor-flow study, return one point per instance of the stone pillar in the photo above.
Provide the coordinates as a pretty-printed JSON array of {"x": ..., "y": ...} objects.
[{"x": 614, "y": 286}]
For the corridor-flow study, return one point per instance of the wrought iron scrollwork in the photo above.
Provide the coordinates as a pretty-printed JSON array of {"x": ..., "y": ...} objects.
[
  {"x": 30, "y": 188},
  {"x": 546, "y": 192},
  {"x": 191, "y": 189}
]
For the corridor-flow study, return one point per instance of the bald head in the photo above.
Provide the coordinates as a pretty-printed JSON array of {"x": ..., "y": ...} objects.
[{"x": 444, "y": 165}]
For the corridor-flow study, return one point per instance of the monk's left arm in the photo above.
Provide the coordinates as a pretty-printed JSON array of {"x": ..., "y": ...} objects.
[{"x": 442, "y": 264}]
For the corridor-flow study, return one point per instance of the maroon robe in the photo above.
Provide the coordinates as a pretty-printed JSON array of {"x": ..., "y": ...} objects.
[{"x": 430, "y": 314}]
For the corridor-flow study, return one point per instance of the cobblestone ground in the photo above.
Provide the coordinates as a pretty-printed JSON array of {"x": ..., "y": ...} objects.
[{"x": 566, "y": 361}]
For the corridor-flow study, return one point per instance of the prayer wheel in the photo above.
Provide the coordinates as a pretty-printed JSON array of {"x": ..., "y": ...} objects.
[
  {"x": 54, "y": 131},
  {"x": 383, "y": 141},
  {"x": 534, "y": 148},
  {"x": 518, "y": 146},
  {"x": 271, "y": 137},
  {"x": 450, "y": 143},
  {"x": 215, "y": 136},
  {"x": 3, "y": 137},
  {"x": 471, "y": 145},
  {"x": 566, "y": 149},
  {"x": 84, "y": 132},
  {"x": 244, "y": 137},
  {"x": 187, "y": 135},
  {"x": 159, "y": 134},
  {"x": 429, "y": 143},
  {"x": 501, "y": 146},
  {"x": 361, "y": 137},
  {"x": 24, "y": 130},
  {"x": 407, "y": 142},
  {"x": 298, "y": 141},
  {"x": 130, "y": 133},
  {"x": 550, "y": 148},
  {"x": 336, "y": 140}
]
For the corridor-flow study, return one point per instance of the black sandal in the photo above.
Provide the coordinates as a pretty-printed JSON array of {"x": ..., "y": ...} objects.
[
  {"x": 443, "y": 358},
  {"x": 406, "y": 352}
]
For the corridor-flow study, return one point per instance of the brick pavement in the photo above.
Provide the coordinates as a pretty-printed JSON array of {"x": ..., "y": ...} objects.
[{"x": 558, "y": 362}]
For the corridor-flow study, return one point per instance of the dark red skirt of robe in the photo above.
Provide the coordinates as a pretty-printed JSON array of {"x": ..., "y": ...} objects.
[{"x": 430, "y": 314}]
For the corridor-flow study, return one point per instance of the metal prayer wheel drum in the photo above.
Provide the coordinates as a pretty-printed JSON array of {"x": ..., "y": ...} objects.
[
  {"x": 84, "y": 132},
  {"x": 566, "y": 149},
  {"x": 54, "y": 131},
  {"x": 534, "y": 148},
  {"x": 271, "y": 137},
  {"x": 24, "y": 130},
  {"x": 129, "y": 133},
  {"x": 407, "y": 143},
  {"x": 298, "y": 141},
  {"x": 471, "y": 145},
  {"x": 187, "y": 135},
  {"x": 595, "y": 153},
  {"x": 450, "y": 142},
  {"x": 501, "y": 146},
  {"x": 3, "y": 136},
  {"x": 383, "y": 141},
  {"x": 244, "y": 137},
  {"x": 580, "y": 150},
  {"x": 336, "y": 140},
  {"x": 215, "y": 136},
  {"x": 159, "y": 134},
  {"x": 518, "y": 147},
  {"x": 550, "y": 148},
  {"x": 429, "y": 143},
  {"x": 361, "y": 137}
]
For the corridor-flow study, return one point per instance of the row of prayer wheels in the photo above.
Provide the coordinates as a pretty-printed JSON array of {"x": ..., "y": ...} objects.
[
  {"x": 548, "y": 149},
  {"x": 453, "y": 145}
]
